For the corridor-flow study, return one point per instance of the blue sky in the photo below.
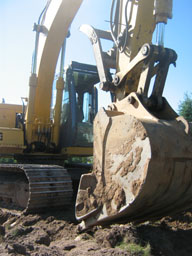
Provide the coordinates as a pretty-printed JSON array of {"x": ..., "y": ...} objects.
[{"x": 17, "y": 44}]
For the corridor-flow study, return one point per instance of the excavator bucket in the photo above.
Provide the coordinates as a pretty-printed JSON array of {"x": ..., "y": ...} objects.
[{"x": 142, "y": 166}]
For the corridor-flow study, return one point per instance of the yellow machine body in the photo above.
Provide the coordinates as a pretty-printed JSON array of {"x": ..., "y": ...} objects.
[
  {"x": 11, "y": 141},
  {"x": 8, "y": 114},
  {"x": 11, "y": 138}
]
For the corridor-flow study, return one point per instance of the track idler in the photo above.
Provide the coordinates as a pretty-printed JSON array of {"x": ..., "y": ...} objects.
[{"x": 142, "y": 166}]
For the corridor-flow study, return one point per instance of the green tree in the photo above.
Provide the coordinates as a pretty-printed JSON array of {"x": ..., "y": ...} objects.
[{"x": 185, "y": 107}]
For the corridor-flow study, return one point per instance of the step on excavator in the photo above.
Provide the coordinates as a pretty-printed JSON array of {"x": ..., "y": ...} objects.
[{"x": 142, "y": 149}]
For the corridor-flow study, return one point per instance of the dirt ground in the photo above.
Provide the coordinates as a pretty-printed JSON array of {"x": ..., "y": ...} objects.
[{"x": 55, "y": 233}]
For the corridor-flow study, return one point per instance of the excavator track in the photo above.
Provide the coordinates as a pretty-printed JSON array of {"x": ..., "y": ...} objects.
[{"x": 32, "y": 188}]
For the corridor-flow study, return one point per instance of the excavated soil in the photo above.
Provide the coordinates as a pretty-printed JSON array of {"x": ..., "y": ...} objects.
[{"x": 55, "y": 233}]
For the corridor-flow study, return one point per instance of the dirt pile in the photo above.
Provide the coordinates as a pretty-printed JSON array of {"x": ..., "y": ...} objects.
[{"x": 56, "y": 234}]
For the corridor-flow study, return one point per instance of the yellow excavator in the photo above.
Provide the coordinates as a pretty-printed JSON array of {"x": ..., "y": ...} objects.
[
  {"x": 55, "y": 126},
  {"x": 142, "y": 166}
]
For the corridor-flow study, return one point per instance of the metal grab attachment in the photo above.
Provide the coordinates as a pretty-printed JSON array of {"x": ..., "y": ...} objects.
[
  {"x": 156, "y": 65},
  {"x": 150, "y": 61}
]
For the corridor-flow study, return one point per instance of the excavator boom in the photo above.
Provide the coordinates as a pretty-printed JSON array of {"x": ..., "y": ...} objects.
[{"x": 51, "y": 32}]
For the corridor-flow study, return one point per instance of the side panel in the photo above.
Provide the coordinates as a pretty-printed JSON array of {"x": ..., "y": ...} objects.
[
  {"x": 8, "y": 114},
  {"x": 11, "y": 140}
]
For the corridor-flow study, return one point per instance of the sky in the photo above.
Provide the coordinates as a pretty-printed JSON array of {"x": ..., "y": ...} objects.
[{"x": 17, "y": 44}]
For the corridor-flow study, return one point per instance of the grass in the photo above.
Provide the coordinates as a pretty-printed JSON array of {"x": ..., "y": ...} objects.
[
  {"x": 135, "y": 249},
  {"x": 7, "y": 160}
]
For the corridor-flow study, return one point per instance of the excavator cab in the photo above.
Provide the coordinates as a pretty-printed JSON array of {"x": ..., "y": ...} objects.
[{"x": 79, "y": 105}]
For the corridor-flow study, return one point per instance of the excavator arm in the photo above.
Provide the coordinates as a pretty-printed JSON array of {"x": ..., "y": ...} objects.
[{"x": 142, "y": 149}]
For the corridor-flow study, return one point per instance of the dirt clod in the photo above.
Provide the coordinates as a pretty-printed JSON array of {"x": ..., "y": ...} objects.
[
  {"x": 69, "y": 247},
  {"x": 20, "y": 249},
  {"x": 2, "y": 231},
  {"x": 42, "y": 238}
]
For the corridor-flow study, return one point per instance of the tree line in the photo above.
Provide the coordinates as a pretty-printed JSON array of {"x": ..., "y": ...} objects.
[{"x": 185, "y": 107}]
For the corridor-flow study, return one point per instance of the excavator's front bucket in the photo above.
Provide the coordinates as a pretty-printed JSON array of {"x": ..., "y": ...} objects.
[{"x": 142, "y": 166}]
